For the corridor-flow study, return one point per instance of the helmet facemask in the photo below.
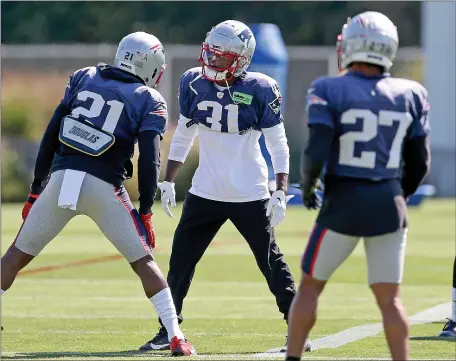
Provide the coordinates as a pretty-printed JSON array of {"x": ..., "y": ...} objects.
[
  {"x": 339, "y": 47},
  {"x": 218, "y": 65},
  {"x": 339, "y": 52},
  {"x": 158, "y": 77}
]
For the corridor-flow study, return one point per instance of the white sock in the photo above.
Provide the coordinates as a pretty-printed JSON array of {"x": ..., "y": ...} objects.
[
  {"x": 453, "y": 317},
  {"x": 2, "y": 292},
  {"x": 164, "y": 305}
]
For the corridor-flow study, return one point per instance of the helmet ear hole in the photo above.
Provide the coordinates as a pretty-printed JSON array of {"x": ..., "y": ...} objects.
[{"x": 154, "y": 73}]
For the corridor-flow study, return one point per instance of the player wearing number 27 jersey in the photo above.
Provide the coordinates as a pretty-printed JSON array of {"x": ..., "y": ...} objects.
[
  {"x": 369, "y": 131},
  {"x": 85, "y": 153}
]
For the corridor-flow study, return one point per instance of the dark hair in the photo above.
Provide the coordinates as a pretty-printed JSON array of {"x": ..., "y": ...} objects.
[{"x": 379, "y": 67}]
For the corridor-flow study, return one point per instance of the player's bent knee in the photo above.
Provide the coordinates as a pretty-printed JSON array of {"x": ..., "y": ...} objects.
[
  {"x": 388, "y": 276},
  {"x": 311, "y": 285},
  {"x": 386, "y": 294},
  {"x": 28, "y": 248},
  {"x": 19, "y": 255},
  {"x": 147, "y": 258},
  {"x": 143, "y": 260},
  {"x": 16, "y": 259},
  {"x": 390, "y": 306}
]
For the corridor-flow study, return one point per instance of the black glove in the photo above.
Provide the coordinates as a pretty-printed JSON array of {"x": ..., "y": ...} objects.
[{"x": 310, "y": 197}]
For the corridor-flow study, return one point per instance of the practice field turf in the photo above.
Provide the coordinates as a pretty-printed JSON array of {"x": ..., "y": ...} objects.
[{"x": 79, "y": 300}]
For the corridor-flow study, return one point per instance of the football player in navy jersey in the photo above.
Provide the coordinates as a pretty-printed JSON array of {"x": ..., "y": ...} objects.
[
  {"x": 370, "y": 131},
  {"x": 85, "y": 152},
  {"x": 229, "y": 108}
]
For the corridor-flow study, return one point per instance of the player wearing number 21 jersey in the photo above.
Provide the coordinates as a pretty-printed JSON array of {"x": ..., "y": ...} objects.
[
  {"x": 85, "y": 153},
  {"x": 370, "y": 132}
]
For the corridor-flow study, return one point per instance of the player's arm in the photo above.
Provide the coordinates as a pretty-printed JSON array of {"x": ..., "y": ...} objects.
[
  {"x": 48, "y": 147},
  {"x": 321, "y": 135},
  {"x": 277, "y": 146},
  {"x": 271, "y": 123},
  {"x": 50, "y": 141},
  {"x": 417, "y": 162},
  {"x": 148, "y": 172},
  {"x": 185, "y": 132},
  {"x": 416, "y": 152},
  {"x": 151, "y": 129},
  {"x": 181, "y": 144},
  {"x": 315, "y": 153},
  {"x": 148, "y": 169}
]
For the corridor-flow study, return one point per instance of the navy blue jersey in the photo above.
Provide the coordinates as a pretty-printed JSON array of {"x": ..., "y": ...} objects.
[
  {"x": 257, "y": 96},
  {"x": 117, "y": 103},
  {"x": 372, "y": 117}
]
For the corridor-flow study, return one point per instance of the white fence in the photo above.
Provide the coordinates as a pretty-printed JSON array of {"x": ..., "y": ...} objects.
[{"x": 305, "y": 64}]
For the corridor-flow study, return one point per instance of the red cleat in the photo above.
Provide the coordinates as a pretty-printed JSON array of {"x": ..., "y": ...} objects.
[{"x": 181, "y": 347}]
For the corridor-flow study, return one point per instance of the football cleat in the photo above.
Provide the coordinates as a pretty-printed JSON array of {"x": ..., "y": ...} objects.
[
  {"x": 307, "y": 346},
  {"x": 158, "y": 343},
  {"x": 181, "y": 348},
  {"x": 449, "y": 330}
]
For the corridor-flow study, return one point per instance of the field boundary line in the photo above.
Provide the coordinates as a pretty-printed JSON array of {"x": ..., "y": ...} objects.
[{"x": 428, "y": 315}]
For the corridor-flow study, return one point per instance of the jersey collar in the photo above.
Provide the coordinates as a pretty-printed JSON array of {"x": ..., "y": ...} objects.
[
  {"x": 361, "y": 75},
  {"x": 109, "y": 72}
]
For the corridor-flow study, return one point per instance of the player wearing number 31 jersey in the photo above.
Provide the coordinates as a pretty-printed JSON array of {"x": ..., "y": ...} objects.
[
  {"x": 369, "y": 130},
  {"x": 85, "y": 153},
  {"x": 228, "y": 108}
]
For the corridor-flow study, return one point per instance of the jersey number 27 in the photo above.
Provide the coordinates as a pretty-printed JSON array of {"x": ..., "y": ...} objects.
[{"x": 371, "y": 123}]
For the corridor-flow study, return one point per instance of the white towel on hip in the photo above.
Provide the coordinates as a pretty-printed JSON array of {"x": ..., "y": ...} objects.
[{"x": 70, "y": 189}]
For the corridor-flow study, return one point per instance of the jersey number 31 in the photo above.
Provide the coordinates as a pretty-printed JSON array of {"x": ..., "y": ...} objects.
[
  {"x": 216, "y": 119},
  {"x": 371, "y": 123}
]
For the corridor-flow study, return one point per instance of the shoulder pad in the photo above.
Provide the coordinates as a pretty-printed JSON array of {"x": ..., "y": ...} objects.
[
  {"x": 150, "y": 94},
  {"x": 191, "y": 74},
  {"x": 259, "y": 78}
]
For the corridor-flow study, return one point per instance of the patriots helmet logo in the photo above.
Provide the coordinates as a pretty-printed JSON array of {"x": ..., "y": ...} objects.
[{"x": 245, "y": 36}]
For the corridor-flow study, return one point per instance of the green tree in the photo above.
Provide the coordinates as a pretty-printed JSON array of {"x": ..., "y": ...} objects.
[{"x": 186, "y": 22}]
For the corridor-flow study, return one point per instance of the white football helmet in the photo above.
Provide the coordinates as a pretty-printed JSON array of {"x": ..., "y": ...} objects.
[
  {"x": 227, "y": 51},
  {"x": 369, "y": 37},
  {"x": 141, "y": 54}
]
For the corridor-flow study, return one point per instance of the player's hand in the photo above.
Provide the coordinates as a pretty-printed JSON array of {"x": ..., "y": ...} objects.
[
  {"x": 310, "y": 197},
  {"x": 147, "y": 221},
  {"x": 277, "y": 206},
  {"x": 168, "y": 195},
  {"x": 28, "y": 204}
]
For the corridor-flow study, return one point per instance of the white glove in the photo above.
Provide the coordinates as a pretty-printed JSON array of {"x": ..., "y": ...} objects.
[
  {"x": 277, "y": 206},
  {"x": 168, "y": 195}
]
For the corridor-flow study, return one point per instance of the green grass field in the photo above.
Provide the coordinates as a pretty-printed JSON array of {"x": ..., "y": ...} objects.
[{"x": 82, "y": 310}]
